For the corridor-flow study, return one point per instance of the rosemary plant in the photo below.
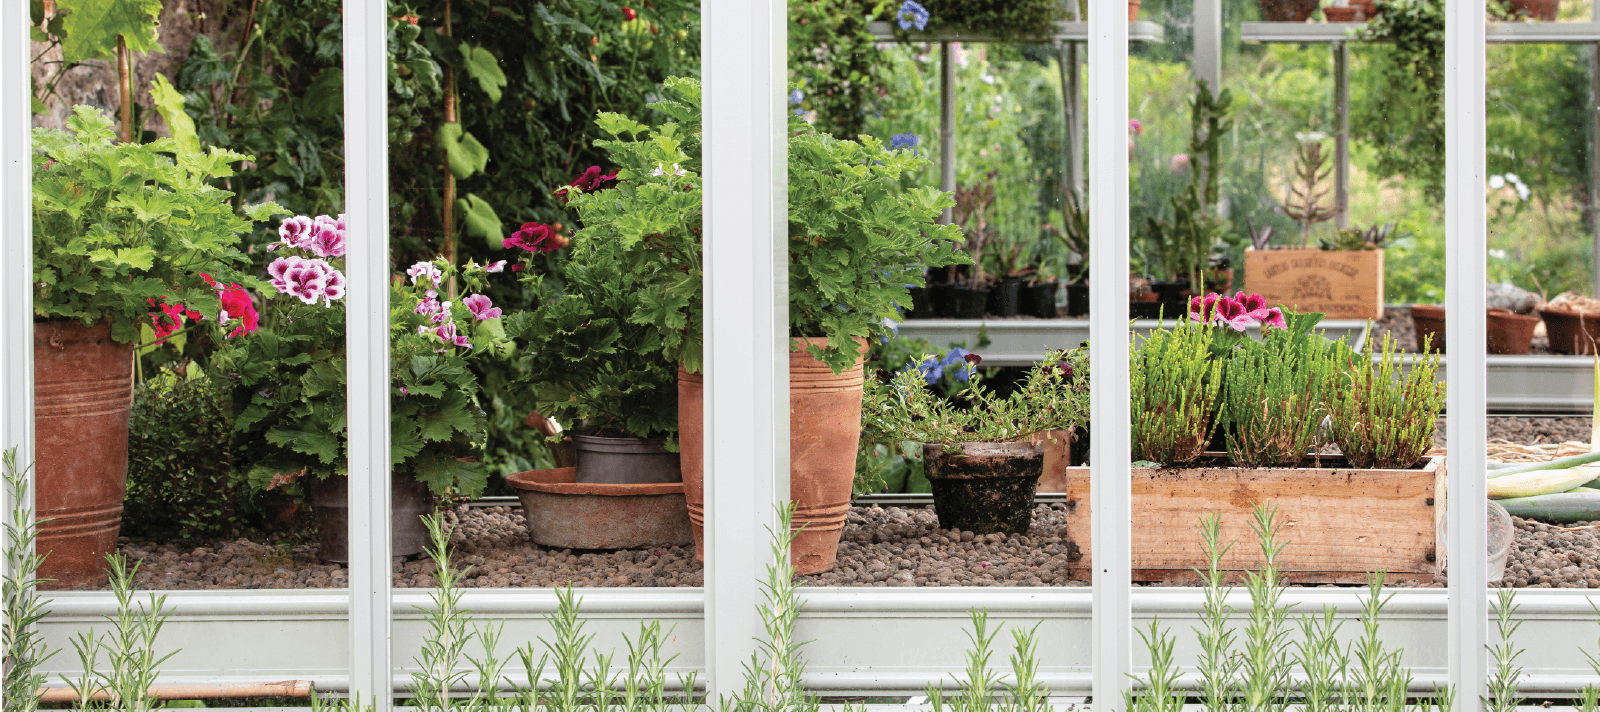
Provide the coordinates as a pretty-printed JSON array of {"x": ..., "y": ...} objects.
[
  {"x": 1218, "y": 665},
  {"x": 1376, "y": 682},
  {"x": 1264, "y": 671},
  {"x": 449, "y": 634},
  {"x": 980, "y": 686},
  {"x": 1504, "y": 671},
  {"x": 1275, "y": 398},
  {"x": 25, "y": 648},
  {"x": 1175, "y": 388},
  {"x": 1383, "y": 418},
  {"x": 1159, "y": 691},
  {"x": 129, "y": 648},
  {"x": 1589, "y": 697},
  {"x": 1055, "y": 396},
  {"x": 774, "y": 676}
]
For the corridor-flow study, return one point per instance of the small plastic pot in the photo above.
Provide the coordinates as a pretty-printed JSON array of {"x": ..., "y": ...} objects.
[
  {"x": 625, "y": 461},
  {"x": 921, "y": 303},
  {"x": 1004, "y": 296},
  {"x": 1038, "y": 300},
  {"x": 1078, "y": 299},
  {"x": 985, "y": 488},
  {"x": 968, "y": 303}
]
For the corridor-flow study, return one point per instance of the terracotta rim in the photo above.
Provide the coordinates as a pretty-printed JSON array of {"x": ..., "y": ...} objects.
[
  {"x": 1509, "y": 315},
  {"x": 563, "y": 480}
]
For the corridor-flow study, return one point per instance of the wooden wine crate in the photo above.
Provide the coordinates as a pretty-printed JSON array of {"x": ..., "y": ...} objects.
[
  {"x": 1343, "y": 284},
  {"x": 1341, "y": 524}
]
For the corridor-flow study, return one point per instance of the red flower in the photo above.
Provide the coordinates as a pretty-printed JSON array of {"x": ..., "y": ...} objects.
[
  {"x": 167, "y": 321},
  {"x": 973, "y": 359},
  {"x": 593, "y": 180},
  {"x": 629, "y": 13},
  {"x": 535, "y": 237},
  {"x": 236, "y": 304}
]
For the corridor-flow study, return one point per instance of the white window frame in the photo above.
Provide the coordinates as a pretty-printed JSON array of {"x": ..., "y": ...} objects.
[{"x": 864, "y": 636}]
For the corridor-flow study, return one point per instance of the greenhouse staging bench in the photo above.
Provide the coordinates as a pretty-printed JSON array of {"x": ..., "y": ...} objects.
[
  {"x": 1536, "y": 384},
  {"x": 857, "y": 635},
  {"x": 1022, "y": 342}
]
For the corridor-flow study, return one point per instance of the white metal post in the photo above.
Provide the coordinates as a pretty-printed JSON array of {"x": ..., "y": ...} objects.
[
  {"x": 366, "y": 108},
  {"x": 1465, "y": 272},
  {"x": 1109, "y": 488},
  {"x": 1341, "y": 138},
  {"x": 947, "y": 124},
  {"x": 1208, "y": 42},
  {"x": 746, "y": 318},
  {"x": 16, "y": 212}
]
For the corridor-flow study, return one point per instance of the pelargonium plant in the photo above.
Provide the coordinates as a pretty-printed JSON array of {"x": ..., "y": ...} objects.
[
  {"x": 1054, "y": 396},
  {"x": 287, "y": 364}
]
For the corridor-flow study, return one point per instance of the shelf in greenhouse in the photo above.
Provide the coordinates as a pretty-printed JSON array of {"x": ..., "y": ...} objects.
[
  {"x": 1519, "y": 32},
  {"x": 1020, "y": 342},
  {"x": 1065, "y": 32},
  {"x": 1536, "y": 384}
]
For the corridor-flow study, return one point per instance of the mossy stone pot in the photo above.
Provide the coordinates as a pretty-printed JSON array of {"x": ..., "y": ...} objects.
[{"x": 985, "y": 488}]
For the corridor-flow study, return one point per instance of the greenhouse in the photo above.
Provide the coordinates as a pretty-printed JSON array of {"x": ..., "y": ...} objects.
[{"x": 451, "y": 354}]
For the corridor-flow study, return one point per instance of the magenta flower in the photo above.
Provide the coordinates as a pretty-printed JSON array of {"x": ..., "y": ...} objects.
[
  {"x": 535, "y": 237},
  {"x": 295, "y": 230},
  {"x": 307, "y": 280},
  {"x": 1134, "y": 127},
  {"x": 1254, "y": 305},
  {"x": 425, "y": 269},
  {"x": 427, "y": 307},
  {"x": 448, "y": 334},
  {"x": 1202, "y": 309},
  {"x": 1274, "y": 319},
  {"x": 326, "y": 239},
  {"x": 481, "y": 307}
]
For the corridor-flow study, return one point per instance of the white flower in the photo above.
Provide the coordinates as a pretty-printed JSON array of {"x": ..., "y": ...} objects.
[
  {"x": 1496, "y": 182},
  {"x": 1513, "y": 178},
  {"x": 987, "y": 78},
  {"x": 1498, "y": 254},
  {"x": 1522, "y": 191},
  {"x": 662, "y": 171}
]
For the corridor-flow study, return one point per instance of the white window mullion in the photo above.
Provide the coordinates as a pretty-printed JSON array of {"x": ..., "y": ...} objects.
[
  {"x": 1465, "y": 265},
  {"x": 16, "y": 212},
  {"x": 1109, "y": 484},
  {"x": 366, "y": 108},
  {"x": 746, "y": 318}
]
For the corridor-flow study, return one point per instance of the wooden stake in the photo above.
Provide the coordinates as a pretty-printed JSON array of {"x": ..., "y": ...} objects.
[{"x": 125, "y": 86}]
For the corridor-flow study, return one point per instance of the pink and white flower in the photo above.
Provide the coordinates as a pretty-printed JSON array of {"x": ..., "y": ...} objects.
[
  {"x": 295, "y": 230},
  {"x": 495, "y": 266},
  {"x": 448, "y": 334},
  {"x": 425, "y": 269},
  {"x": 326, "y": 239},
  {"x": 307, "y": 280},
  {"x": 481, "y": 307}
]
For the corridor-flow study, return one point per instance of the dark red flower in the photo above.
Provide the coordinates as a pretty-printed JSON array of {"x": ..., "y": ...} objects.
[
  {"x": 535, "y": 237},
  {"x": 1066, "y": 370},
  {"x": 629, "y": 13},
  {"x": 516, "y": 268},
  {"x": 974, "y": 359},
  {"x": 236, "y": 304},
  {"x": 592, "y": 180}
]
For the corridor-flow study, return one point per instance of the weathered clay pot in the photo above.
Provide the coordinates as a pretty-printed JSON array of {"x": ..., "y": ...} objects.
[
  {"x": 824, "y": 431},
  {"x": 985, "y": 487},
  {"x": 83, "y": 394},
  {"x": 565, "y": 514},
  {"x": 1541, "y": 10},
  {"x": 1133, "y": 10},
  {"x": 1509, "y": 332},
  {"x": 1350, "y": 13},
  {"x": 1571, "y": 332},
  {"x": 1429, "y": 320},
  {"x": 1287, "y": 10},
  {"x": 625, "y": 461},
  {"x": 330, "y": 504}
]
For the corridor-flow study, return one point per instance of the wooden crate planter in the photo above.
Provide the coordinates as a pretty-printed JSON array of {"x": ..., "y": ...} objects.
[
  {"x": 1341, "y": 523},
  {"x": 1340, "y": 284}
]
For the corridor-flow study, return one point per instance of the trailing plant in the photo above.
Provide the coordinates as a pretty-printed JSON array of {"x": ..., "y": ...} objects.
[
  {"x": 121, "y": 230},
  {"x": 1372, "y": 238},
  {"x": 1383, "y": 418},
  {"x": 835, "y": 62},
  {"x": 1175, "y": 387},
  {"x": 129, "y": 648},
  {"x": 26, "y": 649},
  {"x": 855, "y": 239},
  {"x": 980, "y": 686},
  {"x": 1404, "y": 107},
  {"x": 1054, "y": 396},
  {"x": 1275, "y": 394},
  {"x": 1303, "y": 200}
]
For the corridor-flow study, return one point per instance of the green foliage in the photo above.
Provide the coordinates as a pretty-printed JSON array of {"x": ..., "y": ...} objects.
[
  {"x": 129, "y": 647},
  {"x": 1504, "y": 671},
  {"x": 1403, "y": 109},
  {"x": 1383, "y": 418},
  {"x": 89, "y": 28},
  {"x": 1175, "y": 387},
  {"x": 1013, "y": 19},
  {"x": 25, "y": 648},
  {"x": 836, "y": 62},
  {"x": 1055, "y": 396},
  {"x": 117, "y": 225},
  {"x": 181, "y": 480},
  {"x": 1184, "y": 244},
  {"x": 588, "y": 364},
  {"x": 1275, "y": 394},
  {"x": 1371, "y": 238},
  {"x": 980, "y": 687}
]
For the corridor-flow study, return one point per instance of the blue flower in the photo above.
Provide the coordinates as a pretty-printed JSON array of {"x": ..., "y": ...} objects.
[
  {"x": 799, "y": 112},
  {"x": 957, "y": 357},
  {"x": 796, "y": 96},
  {"x": 893, "y": 326},
  {"x": 931, "y": 369},
  {"x": 905, "y": 140},
  {"x": 912, "y": 13}
]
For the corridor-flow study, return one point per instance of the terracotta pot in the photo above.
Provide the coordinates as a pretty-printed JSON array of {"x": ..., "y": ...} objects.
[
  {"x": 1510, "y": 332},
  {"x": 1541, "y": 10},
  {"x": 1133, "y": 10},
  {"x": 564, "y": 514},
  {"x": 1351, "y": 13},
  {"x": 985, "y": 488},
  {"x": 1369, "y": 8},
  {"x": 1429, "y": 321},
  {"x": 824, "y": 432},
  {"x": 1287, "y": 10},
  {"x": 625, "y": 460},
  {"x": 1571, "y": 332},
  {"x": 83, "y": 395},
  {"x": 409, "y": 499}
]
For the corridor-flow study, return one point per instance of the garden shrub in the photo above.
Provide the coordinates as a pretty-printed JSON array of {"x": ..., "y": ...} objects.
[{"x": 181, "y": 481}]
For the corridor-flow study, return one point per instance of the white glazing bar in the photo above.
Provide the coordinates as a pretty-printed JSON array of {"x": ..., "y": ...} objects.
[
  {"x": 947, "y": 124},
  {"x": 746, "y": 318},
  {"x": 1109, "y": 486},
  {"x": 1208, "y": 42},
  {"x": 1465, "y": 273},
  {"x": 366, "y": 107},
  {"x": 16, "y": 221}
]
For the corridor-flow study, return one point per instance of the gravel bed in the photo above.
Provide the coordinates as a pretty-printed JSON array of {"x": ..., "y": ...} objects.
[{"x": 1553, "y": 556}]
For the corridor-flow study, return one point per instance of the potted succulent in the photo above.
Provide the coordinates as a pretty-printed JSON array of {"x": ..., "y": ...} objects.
[
  {"x": 1270, "y": 397},
  {"x": 970, "y": 295},
  {"x": 855, "y": 241},
  {"x": 592, "y": 367},
  {"x": 122, "y": 235},
  {"x": 288, "y": 378},
  {"x": 979, "y": 449}
]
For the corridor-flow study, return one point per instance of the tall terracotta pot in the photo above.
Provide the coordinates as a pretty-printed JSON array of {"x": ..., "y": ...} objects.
[
  {"x": 824, "y": 432},
  {"x": 83, "y": 395}
]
